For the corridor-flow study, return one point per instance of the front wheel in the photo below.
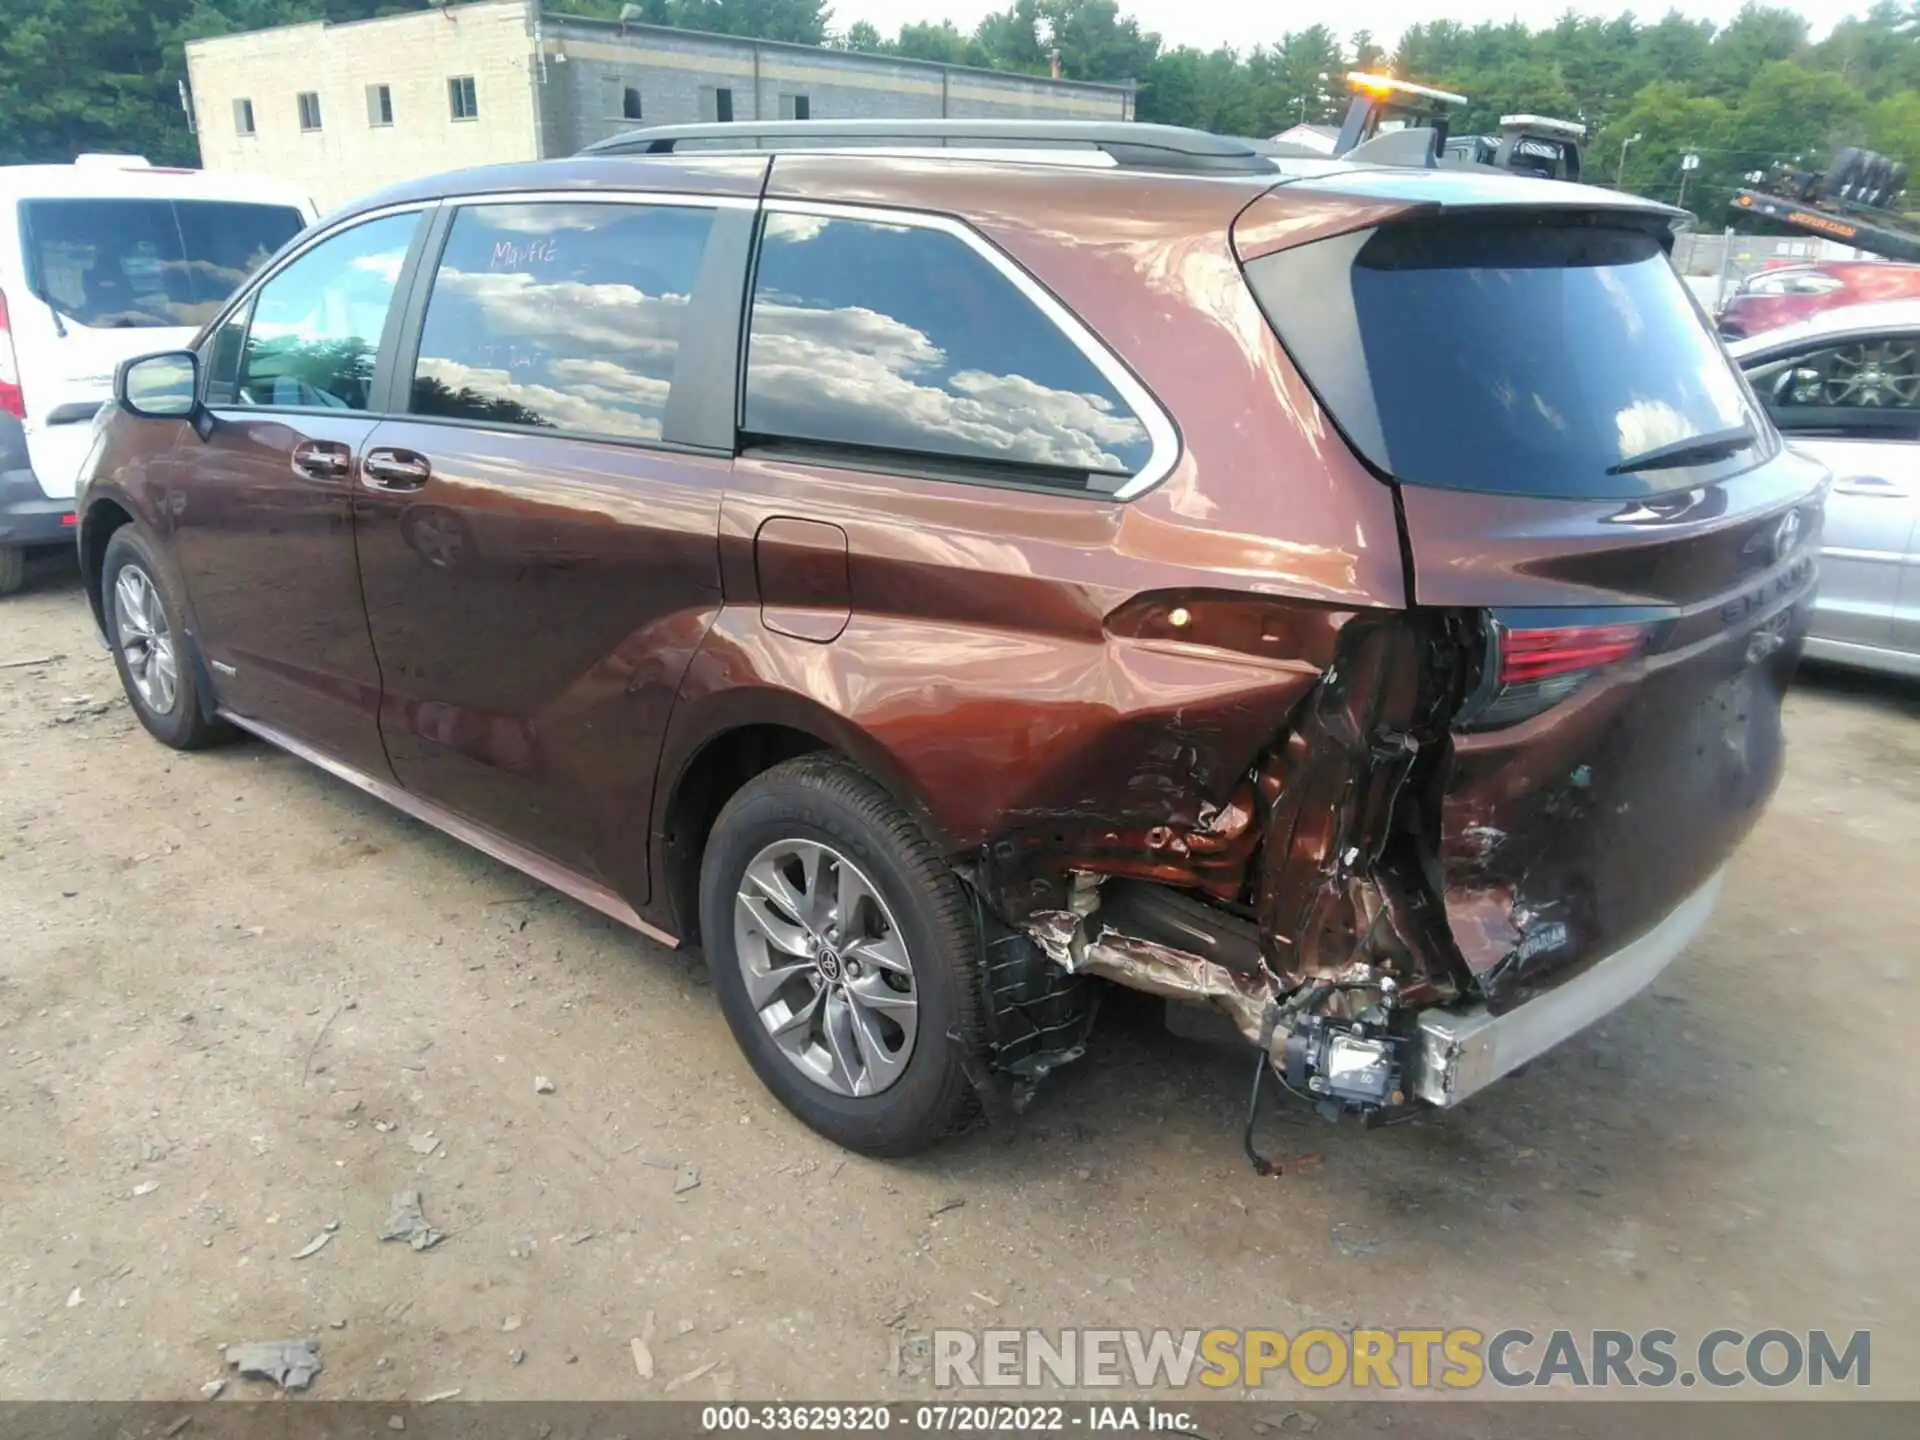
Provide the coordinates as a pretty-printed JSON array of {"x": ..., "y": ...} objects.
[
  {"x": 147, "y": 633},
  {"x": 845, "y": 956}
]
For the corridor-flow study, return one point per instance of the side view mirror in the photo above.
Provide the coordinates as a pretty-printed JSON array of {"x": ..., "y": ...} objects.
[{"x": 165, "y": 386}]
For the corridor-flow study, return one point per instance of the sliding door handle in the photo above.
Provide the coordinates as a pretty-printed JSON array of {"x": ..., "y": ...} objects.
[{"x": 395, "y": 470}]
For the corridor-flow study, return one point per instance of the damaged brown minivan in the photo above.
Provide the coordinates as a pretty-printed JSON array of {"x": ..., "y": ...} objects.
[{"x": 935, "y": 567}]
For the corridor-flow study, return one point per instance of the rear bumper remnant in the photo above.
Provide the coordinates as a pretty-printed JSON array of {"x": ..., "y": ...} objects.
[{"x": 1462, "y": 1051}]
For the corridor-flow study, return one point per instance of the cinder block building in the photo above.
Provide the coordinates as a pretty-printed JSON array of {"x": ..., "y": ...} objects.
[{"x": 348, "y": 108}]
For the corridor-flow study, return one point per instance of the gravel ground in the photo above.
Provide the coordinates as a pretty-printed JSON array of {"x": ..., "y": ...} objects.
[{"x": 242, "y": 1004}]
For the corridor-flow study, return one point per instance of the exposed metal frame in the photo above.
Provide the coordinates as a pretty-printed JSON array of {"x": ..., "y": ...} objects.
[
  {"x": 1163, "y": 437},
  {"x": 1130, "y": 144}
]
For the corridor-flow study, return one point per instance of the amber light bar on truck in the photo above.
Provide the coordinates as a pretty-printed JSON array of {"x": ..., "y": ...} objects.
[{"x": 1535, "y": 668}]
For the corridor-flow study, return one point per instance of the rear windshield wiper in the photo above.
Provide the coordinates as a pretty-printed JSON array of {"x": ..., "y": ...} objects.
[{"x": 1694, "y": 450}]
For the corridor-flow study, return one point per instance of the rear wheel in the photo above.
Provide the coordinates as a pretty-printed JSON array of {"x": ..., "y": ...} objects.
[
  {"x": 13, "y": 568},
  {"x": 844, "y": 955},
  {"x": 150, "y": 647}
]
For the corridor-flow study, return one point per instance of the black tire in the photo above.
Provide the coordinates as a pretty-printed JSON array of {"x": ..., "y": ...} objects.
[
  {"x": 1844, "y": 173},
  {"x": 186, "y": 723},
  {"x": 13, "y": 568},
  {"x": 827, "y": 800}
]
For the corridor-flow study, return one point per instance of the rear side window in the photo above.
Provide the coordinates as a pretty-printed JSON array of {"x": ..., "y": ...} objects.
[
  {"x": 562, "y": 316},
  {"x": 1524, "y": 359},
  {"x": 1863, "y": 386},
  {"x": 900, "y": 338},
  {"x": 135, "y": 263},
  {"x": 314, "y": 333}
]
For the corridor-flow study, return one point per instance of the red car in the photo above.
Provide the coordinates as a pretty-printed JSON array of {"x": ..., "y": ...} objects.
[{"x": 1772, "y": 298}]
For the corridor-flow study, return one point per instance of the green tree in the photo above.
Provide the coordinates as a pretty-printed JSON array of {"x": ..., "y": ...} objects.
[{"x": 1367, "y": 54}]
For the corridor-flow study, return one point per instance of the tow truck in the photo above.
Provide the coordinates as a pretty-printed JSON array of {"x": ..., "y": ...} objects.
[
  {"x": 1851, "y": 201},
  {"x": 1402, "y": 122}
]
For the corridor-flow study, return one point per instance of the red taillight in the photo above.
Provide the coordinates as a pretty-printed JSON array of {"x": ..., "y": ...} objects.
[
  {"x": 12, "y": 401},
  {"x": 1536, "y": 669},
  {"x": 1537, "y": 654},
  {"x": 69, "y": 519}
]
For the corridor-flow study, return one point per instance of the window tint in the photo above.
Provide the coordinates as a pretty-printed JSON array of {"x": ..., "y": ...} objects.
[
  {"x": 562, "y": 316},
  {"x": 223, "y": 357},
  {"x": 1855, "y": 387},
  {"x": 1518, "y": 360},
  {"x": 906, "y": 338},
  {"x": 127, "y": 264},
  {"x": 316, "y": 325}
]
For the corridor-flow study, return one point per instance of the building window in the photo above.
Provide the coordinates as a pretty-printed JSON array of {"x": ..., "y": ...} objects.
[
  {"x": 630, "y": 103},
  {"x": 243, "y": 117},
  {"x": 309, "y": 110},
  {"x": 716, "y": 103},
  {"x": 461, "y": 97},
  {"x": 795, "y": 107},
  {"x": 379, "y": 105}
]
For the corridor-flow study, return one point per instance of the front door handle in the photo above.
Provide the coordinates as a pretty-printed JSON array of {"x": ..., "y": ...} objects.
[
  {"x": 395, "y": 470},
  {"x": 322, "y": 460}
]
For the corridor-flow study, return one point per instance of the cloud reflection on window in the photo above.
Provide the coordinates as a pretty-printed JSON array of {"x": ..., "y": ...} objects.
[
  {"x": 563, "y": 316},
  {"x": 902, "y": 338}
]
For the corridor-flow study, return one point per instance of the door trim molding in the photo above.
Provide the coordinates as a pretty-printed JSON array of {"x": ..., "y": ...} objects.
[{"x": 488, "y": 842}]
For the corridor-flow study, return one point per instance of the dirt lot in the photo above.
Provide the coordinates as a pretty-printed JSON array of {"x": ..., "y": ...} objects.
[{"x": 240, "y": 1002}]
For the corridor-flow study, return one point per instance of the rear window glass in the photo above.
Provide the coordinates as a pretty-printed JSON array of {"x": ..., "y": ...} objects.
[
  {"x": 134, "y": 263},
  {"x": 1520, "y": 360}
]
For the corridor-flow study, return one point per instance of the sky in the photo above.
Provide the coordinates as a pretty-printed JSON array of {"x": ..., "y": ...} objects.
[{"x": 1206, "y": 24}]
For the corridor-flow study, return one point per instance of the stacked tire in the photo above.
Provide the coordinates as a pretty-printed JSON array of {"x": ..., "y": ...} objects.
[{"x": 1864, "y": 177}]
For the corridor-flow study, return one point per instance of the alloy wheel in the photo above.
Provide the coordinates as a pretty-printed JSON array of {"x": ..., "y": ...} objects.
[
  {"x": 1886, "y": 374},
  {"x": 146, "y": 640},
  {"x": 826, "y": 967}
]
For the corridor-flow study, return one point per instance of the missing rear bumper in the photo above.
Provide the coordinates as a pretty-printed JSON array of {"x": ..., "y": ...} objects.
[{"x": 1460, "y": 1052}]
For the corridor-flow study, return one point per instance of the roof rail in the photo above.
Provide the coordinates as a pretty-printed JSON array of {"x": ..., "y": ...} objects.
[{"x": 1128, "y": 143}]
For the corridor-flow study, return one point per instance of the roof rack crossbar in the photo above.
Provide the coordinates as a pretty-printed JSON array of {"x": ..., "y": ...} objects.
[{"x": 1130, "y": 144}]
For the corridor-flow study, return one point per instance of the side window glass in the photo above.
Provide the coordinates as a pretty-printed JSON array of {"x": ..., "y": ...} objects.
[
  {"x": 1857, "y": 387},
  {"x": 316, "y": 325},
  {"x": 559, "y": 315},
  {"x": 223, "y": 357},
  {"x": 903, "y": 338}
]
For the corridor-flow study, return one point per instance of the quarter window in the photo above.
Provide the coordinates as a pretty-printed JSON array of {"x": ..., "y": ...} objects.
[
  {"x": 896, "y": 338},
  {"x": 462, "y": 99},
  {"x": 315, "y": 330},
  {"x": 560, "y": 316},
  {"x": 1860, "y": 386}
]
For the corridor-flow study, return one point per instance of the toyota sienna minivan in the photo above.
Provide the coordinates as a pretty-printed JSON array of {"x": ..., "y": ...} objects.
[{"x": 935, "y": 567}]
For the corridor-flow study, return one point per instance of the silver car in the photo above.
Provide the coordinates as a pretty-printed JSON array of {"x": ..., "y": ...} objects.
[{"x": 1844, "y": 387}]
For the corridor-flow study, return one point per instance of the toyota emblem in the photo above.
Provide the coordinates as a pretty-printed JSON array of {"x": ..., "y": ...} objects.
[{"x": 1786, "y": 535}]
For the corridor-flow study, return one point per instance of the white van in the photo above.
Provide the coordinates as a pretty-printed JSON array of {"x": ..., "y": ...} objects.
[{"x": 101, "y": 260}]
